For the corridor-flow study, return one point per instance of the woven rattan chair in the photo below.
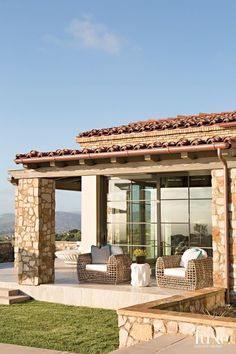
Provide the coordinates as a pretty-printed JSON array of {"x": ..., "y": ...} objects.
[
  {"x": 198, "y": 274},
  {"x": 118, "y": 270}
]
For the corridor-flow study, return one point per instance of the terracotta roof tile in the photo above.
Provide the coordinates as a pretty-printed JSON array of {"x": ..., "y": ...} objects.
[
  {"x": 165, "y": 123},
  {"x": 113, "y": 148}
]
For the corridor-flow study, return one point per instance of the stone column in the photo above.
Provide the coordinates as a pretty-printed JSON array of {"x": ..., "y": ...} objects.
[
  {"x": 218, "y": 228},
  {"x": 232, "y": 211},
  {"x": 35, "y": 231}
]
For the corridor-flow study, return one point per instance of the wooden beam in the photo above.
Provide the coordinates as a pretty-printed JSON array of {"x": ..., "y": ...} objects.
[
  {"x": 233, "y": 152},
  {"x": 13, "y": 181},
  {"x": 58, "y": 163},
  {"x": 68, "y": 186},
  {"x": 188, "y": 155},
  {"x": 153, "y": 158},
  {"x": 31, "y": 165},
  {"x": 86, "y": 162},
  {"x": 118, "y": 160}
]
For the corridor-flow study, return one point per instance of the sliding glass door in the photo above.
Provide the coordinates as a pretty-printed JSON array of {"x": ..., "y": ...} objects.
[
  {"x": 185, "y": 213},
  {"x": 132, "y": 214},
  {"x": 165, "y": 214}
]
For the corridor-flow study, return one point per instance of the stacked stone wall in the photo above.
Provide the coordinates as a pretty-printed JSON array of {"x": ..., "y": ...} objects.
[
  {"x": 133, "y": 329},
  {"x": 232, "y": 214},
  {"x": 145, "y": 325},
  {"x": 35, "y": 231},
  {"x": 218, "y": 236},
  {"x": 159, "y": 135}
]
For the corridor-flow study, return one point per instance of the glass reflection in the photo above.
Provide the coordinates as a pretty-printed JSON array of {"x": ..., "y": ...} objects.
[
  {"x": 132, "y": 214},
  {"x": 174, "y": 211},
  {"x": 175, "y": 238},
  {"x": 183, "y": 213}
]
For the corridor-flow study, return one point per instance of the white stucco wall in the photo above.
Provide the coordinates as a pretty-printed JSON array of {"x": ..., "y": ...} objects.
[{"x": 89, "y": 202}]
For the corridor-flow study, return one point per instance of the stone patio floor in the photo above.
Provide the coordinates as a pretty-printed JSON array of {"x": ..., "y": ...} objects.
[
  {"x": 176, "y": 344},
  {"x": 166, "y": 344},
  {"x": 18, "y": 349},
  {"x": 67, "y": 290}
]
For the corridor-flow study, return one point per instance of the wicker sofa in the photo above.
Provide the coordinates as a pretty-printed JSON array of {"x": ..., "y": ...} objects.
[
  {"x": 116, "y": 271},
  {"x": 198, "y": 274}
]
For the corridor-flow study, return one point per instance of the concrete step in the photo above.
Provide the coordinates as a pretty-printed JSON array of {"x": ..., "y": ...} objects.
[
  {"x": 19, "y": 298},
  {"x": 12, "y": 296},
  {"x": 8, "y": 292}
]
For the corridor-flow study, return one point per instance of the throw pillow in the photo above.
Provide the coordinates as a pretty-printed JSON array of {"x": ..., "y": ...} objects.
[
  {"x": 192, "y": 253},
  {"x": 100, "y": 255},
  {"x": 116, "y": 250}
]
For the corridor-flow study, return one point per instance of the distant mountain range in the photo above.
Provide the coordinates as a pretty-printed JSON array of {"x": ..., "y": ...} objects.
[{"x": 64, "y": 221}]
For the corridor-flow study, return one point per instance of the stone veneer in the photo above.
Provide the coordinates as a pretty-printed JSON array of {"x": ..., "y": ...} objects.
[
  {"x": 203, "y": 132},
  {"x": 232, "y": 214},
  {"x": 177, "y": 315},
  {"x": 219, "y": 276},
  {"x": 35, "y": 231}
]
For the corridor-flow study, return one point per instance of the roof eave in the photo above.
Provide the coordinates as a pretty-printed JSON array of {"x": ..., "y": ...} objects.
[{"x": 127, "y": 153}]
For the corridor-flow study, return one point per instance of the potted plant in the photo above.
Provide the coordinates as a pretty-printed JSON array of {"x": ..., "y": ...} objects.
[{"x": 140, "y": 255}]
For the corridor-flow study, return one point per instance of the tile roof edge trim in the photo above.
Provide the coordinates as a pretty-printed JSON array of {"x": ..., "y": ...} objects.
[{"x": 127, "y": 153}]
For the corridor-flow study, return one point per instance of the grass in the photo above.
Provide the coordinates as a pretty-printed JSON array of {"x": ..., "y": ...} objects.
[{"x": 67, "y": 328}]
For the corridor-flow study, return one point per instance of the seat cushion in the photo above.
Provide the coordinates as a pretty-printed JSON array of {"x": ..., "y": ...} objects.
[
  {"x": 97, "y": 267},
  {"x": 175, "y": 272},
  {"x": 116, "y": 250},
  {"x": 100, "y": 255},
  {"x": 192, "y": 253}
]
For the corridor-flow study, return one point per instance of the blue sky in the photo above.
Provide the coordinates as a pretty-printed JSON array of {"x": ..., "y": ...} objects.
[{"x": 69, "y": 65}]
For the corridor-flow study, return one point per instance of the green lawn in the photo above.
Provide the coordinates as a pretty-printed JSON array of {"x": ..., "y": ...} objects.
[{"x": 68, "y": 328}]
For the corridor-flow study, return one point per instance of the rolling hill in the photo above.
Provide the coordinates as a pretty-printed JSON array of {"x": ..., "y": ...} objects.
[{"x": 64, "y": 221}]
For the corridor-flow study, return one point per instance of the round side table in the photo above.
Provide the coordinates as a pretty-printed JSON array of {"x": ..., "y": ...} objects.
[
  {"x": 68, "y": 256},
  {"x": 140, "y": 274}
]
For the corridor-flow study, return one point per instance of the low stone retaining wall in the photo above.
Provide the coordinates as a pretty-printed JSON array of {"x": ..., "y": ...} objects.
[
  {"x": 144, "y": 322},
  {"x": 6, "y": 252},
  {"x": 65, "y": 245},
  {"x": 7, "y": 249}
]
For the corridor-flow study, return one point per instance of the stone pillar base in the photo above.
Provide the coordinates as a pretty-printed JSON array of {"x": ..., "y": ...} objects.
[{"x": 35, "y": 231}]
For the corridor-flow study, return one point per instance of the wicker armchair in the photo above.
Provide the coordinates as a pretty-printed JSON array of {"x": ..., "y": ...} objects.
[
  {"x": 118, "y": 269},
  {"x": 198, "y": 274}
]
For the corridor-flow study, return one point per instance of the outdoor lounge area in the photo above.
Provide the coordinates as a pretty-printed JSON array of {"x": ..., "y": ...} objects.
[{"x": 66, "y": 289}]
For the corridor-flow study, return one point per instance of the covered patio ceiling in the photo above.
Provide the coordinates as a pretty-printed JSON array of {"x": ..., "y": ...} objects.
[{"x": 68, "y": 183}]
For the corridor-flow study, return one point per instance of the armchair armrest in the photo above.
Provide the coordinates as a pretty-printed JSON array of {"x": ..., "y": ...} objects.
[
  {"x": 200, "y": 265},
  {"x": 168, "y": 261},
  {"x": 119, "y": 261},
  {"x": 120, "y": 266},
  {"x": 201, "y": 269},
  {"x": 84, "y": 259}
]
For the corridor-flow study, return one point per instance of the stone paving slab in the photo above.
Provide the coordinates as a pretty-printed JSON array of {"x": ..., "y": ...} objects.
[
  {"x": 18, "y": 349},
  {"x": 176, "y": 344}
]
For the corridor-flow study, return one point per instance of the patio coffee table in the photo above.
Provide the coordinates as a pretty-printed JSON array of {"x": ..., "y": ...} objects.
[
  {"x": 140, "y": 274},
  {"x": 68, "y": 256}
]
